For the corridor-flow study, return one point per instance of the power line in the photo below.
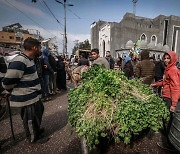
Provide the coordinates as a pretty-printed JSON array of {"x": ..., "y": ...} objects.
[
  {"x": 74, "y": 13},
  {"x": 29, "y": 17},
  {"x": 53, "y": 14},
  {"x": 41, "y": 3}
]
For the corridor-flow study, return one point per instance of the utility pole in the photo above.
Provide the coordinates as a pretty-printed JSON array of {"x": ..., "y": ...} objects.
[
  {"x": 134, "y": 6},
  {"x": 65, "y": 33}
]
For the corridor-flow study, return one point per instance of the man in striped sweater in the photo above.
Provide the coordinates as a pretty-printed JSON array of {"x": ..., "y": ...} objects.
[{"x": 22, "y": 81}]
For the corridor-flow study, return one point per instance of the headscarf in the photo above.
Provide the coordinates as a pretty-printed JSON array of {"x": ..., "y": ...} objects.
[
  {"x": 127, "y": 59},
  {"x": 173, "y": 57},
  {"x": 124, "y": 54}
]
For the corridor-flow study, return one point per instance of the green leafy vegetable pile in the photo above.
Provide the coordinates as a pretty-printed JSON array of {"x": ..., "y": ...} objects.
[{"x": 106, "y": 103}]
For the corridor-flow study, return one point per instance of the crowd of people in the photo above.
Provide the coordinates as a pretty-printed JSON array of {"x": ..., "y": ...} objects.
[{"x": 35, "y": 74}]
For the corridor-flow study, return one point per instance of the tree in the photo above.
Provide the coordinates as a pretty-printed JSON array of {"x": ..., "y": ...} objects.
[{"x": 81, "y": 45}]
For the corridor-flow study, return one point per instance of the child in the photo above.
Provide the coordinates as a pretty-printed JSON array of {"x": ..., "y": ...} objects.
[{"x": 170, "y": 91}]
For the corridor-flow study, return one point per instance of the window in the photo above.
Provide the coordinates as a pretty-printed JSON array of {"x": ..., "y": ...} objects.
[
  {"x": 11, "y": 37},
  {"x": 143, "y": 37},
  {"x": 153, "y": 38},
  {"x": 18, "y": 39}
]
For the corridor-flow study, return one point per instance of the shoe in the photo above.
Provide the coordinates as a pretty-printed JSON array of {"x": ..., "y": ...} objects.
[
  {"x": 41, "y": 131},
  {"x": 42, "y": 140},
  {"x": 40, "y": 137},
  {"x": 166, "y": 146}
]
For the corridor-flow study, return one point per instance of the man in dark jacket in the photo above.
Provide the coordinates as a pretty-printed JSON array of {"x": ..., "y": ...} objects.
[
  {"x": 110, "y": 59},
  {"x": 145, "y": 69}
]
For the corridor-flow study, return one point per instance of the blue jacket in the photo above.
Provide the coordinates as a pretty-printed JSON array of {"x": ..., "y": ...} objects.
[{"x": 45, "y": 60}]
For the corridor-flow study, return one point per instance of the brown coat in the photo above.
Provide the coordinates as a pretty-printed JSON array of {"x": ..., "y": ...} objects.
[{"x": 145, "y": 69}]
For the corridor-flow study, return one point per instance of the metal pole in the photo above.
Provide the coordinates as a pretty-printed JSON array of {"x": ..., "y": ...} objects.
[{"x": 65, "y": 35}]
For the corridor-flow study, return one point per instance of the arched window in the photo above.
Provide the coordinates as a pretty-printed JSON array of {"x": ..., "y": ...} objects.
[
  {"x": 143, "y": 37},
  {"x": 154, "y": 39}
]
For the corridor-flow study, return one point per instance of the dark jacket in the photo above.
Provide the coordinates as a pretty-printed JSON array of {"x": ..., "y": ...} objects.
[
  {"x": 52, "y": 62},
  {"x": 111, "y": 61},
  {"x": 38, "y": 63},
  {"x": 128, "y": 70},
  {"x": 145, "y": 69},
  {"x": 45, "y": 61},
  {"x": 61, "y": 74},
  {"x": 3, "y": 69},
  {"x": 159, "y": 69}
]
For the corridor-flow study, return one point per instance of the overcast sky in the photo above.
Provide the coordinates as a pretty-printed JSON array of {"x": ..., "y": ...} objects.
[{"x": 79, "y": 17}]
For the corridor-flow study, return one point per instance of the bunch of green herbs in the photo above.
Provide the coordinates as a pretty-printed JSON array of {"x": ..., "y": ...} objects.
[{"x": 106, "y": 104}]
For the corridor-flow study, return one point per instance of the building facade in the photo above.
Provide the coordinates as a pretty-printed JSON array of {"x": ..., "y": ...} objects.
[
  {"x": 12, "y": 36},
  {"x": 160, "y": 33}
]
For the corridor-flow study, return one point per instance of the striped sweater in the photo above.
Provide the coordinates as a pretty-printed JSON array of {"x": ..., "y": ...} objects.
[{"x": 21, "y": 78}]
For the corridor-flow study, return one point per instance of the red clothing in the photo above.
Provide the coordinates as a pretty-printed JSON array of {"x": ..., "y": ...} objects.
[{"x": 171, "y": 80}]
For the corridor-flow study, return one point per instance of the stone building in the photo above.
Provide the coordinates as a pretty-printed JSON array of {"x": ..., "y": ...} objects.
[{"x": 157, "y": 34}]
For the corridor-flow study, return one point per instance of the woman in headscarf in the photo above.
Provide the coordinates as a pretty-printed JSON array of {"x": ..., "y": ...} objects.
[
  {"x": 128, "y": 68},
  {"x": 171, "y": 95}
]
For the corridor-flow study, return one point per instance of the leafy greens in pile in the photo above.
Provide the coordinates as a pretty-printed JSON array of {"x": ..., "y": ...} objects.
[{"x": 106, "y": 103}]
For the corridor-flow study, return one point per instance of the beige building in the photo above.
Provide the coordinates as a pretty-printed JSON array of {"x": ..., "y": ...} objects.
[
  {"x": 12, "y": 36},
  {"x": 9, "y": 39}
]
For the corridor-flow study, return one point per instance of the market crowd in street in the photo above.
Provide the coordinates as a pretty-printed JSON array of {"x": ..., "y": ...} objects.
[{"x": 36, "y": 74}]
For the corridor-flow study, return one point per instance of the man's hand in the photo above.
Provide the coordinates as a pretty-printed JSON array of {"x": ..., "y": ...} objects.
[
  {"x": 5, "y": 93},
  {"x": 172, "y": 108},
  {"x": 152, "y": 85}
]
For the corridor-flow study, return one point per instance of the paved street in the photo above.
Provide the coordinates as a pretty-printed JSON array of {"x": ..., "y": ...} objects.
[{"x": 62, "y": 138}]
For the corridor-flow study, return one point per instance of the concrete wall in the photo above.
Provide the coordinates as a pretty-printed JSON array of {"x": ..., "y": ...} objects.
[
  {"x": 132, "y": 27},
  {"x": 95, "y": 27}
]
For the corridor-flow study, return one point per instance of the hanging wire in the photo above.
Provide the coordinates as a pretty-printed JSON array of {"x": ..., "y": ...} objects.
[
  {"x": 29, "y": 18},
  {"x": 52, "y": 14},
  {"x": 74, "y": 13}
]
